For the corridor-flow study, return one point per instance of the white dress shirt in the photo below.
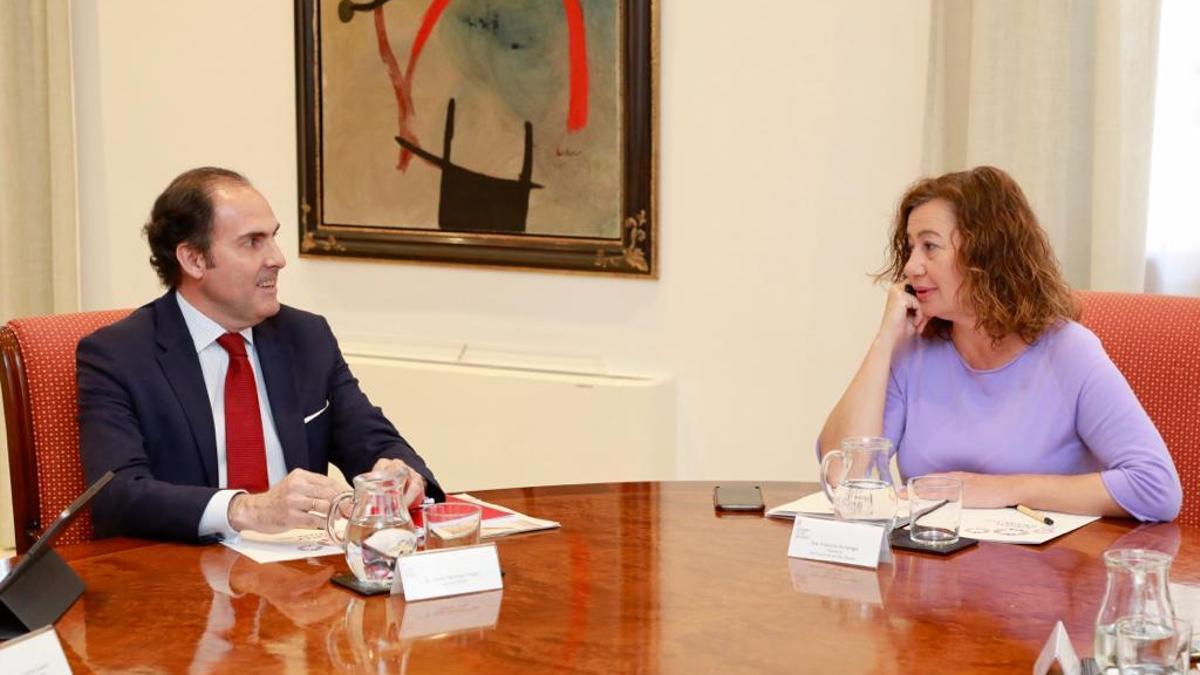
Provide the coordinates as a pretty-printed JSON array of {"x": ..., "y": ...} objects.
[{"x": 214, "y": 362}]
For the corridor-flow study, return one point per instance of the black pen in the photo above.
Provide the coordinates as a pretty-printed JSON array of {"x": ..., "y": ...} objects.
[
  {"x": 921, "y": 514},
  {"x": 1036, "y": 515}
]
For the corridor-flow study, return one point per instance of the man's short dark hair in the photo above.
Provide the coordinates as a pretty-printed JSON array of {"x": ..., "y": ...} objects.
[{"x": 184, "y": 213}]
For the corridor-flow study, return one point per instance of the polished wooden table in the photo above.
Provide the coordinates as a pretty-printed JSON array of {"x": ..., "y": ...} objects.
[{"x": 642, "y": 578}]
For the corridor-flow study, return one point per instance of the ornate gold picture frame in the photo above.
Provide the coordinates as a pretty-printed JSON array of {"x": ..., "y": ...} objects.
[{"x": 502, "y": 133}]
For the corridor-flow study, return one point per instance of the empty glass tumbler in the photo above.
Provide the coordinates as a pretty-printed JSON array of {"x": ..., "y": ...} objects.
[
  {"x": 452, "y": 524},
  {"x": 935, "y": 509}
]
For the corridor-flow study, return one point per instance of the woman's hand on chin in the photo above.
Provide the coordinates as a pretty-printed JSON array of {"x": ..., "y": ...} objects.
[{"x": 902, "y": 316}]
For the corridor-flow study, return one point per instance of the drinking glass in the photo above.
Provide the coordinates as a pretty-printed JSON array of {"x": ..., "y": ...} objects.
[
  {"x": 452, "y": 524},
  {"x": 1151, "y": 645},
  {"x": 935, "y": 509}
]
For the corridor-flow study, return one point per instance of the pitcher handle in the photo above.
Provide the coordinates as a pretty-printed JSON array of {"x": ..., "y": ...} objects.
[
  {"x": 825, "y": 471},
  {"x": 332, "y": 518}
]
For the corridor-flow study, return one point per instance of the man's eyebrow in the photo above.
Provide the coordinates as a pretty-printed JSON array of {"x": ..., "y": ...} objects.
[{"x": 259, "y": 233}]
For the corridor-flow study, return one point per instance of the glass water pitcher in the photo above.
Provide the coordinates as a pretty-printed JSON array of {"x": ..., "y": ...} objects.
[
  {"x": 857, "y": 478},
  {"x": 1137, "y": 585},
  {"x": 379, "y": 529}
]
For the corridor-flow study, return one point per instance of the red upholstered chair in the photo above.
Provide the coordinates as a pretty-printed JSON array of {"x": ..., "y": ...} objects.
[
  {"x": 1155, "y": 342},
  {"x": 41, "y": 411}
]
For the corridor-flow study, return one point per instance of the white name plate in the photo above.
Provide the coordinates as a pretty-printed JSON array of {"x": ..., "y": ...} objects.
[
  {"x": 837, "y": 541},
  {"x": 38, "y": 653},
  {"x": 1058, "y": 650},
  {"x": 448, "y": 571}
]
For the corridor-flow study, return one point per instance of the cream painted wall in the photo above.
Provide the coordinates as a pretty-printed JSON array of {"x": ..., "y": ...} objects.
[{"x": 788, "y": 130}]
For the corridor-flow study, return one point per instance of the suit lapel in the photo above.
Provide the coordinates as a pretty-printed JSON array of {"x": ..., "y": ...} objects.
[
  {"x": 177, "y": 357},
  {"x": 276, "y": 361}
]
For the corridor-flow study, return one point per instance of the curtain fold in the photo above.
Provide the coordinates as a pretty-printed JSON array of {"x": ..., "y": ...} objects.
[
  {"x": 1060, "y": 94},
  {"x": 39, "y": 259}
]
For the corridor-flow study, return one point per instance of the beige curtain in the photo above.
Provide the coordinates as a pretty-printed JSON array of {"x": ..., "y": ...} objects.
[
  {"x": 38, "y": 217},
  {"x": 1060, "y": 94}
]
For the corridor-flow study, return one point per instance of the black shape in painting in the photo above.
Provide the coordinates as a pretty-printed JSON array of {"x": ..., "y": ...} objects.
[
  {"x": 347, "y": 8},
  {"x": 471, "y": 201}
]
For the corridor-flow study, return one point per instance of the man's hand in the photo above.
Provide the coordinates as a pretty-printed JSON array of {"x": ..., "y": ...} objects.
[
  {"x": 286, "y": 505},
  {"x": 414, "y": 486}
]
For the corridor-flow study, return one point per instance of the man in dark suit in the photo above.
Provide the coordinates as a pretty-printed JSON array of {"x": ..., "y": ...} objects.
[{"x": 218, "y": 408}]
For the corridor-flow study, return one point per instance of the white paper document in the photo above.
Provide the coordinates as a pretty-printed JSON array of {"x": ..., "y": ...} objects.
[
  {"x": 1002, "y": 525},
  {"x": 818, "y": 504},
  {"x": 514, "y": 522},
  {"x": 289, "y": 545},
  {"x": 301, "y": 544},
  {"x": 38, "y": 653},
  {"x": 1010, "y": 527}
]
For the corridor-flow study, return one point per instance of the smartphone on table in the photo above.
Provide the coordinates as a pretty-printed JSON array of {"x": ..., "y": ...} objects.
[{"x": 744, "y": 498}]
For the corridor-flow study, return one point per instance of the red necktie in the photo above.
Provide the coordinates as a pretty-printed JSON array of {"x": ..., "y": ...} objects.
[{"x": 245, "y": 451}]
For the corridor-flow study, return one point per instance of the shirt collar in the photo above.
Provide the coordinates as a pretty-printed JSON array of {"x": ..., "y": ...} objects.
[{"x": 204, "y": 330}]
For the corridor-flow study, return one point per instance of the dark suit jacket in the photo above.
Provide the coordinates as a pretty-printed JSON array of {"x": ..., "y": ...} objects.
[{"x": 144, "y": 414}]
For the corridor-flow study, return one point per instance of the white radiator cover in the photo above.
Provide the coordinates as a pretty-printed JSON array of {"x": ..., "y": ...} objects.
[{"x": 482, "y": 427}]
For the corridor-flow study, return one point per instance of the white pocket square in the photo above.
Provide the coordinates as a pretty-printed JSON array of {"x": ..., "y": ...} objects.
[{"x": 313, "y": 416}]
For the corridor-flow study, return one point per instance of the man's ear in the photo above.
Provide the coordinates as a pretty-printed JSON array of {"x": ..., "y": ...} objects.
[{"x": 192, "y": 261}]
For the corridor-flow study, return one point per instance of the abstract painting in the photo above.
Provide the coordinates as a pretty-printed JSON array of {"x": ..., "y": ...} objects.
[{"x": 514, "y": 133}]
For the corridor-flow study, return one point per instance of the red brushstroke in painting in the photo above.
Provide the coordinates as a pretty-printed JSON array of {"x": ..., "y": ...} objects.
[
  {"x": 577, "y": 112},
  {"x": 401, "y": 87},
  {"x": 402, "y": 83},
  {"x": 432, "y": 14}
]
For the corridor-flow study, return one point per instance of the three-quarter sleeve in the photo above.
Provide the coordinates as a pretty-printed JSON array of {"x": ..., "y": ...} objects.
[{"x": 1137, "y": 469}]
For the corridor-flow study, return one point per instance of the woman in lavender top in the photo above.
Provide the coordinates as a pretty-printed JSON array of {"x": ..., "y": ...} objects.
[{"x": 982, "y": 371}]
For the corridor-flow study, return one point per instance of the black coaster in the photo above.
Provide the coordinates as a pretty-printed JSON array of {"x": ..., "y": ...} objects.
[
  {"x": 350, "y": 581},
  {"x": 901, "y": 540}
]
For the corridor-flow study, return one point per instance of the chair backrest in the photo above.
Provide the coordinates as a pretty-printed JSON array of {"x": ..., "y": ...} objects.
[
  {"x": 1155, "y": 342},
  {"x": 41, "y": 413}
]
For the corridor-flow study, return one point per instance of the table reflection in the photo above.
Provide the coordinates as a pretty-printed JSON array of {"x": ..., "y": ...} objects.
[
  {"x": 1065, "y": 581},
  {"x": 858, "y": 585},
  {"x": 378, "y": 634},
  {"x": 1163, "y": 537},
  {"x": 367, "y": 638},
  {"x": 248, "y": 600}
]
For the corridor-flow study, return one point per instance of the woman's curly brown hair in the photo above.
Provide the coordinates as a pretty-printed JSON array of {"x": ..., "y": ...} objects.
[{"x": 1011, "y": 278}]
